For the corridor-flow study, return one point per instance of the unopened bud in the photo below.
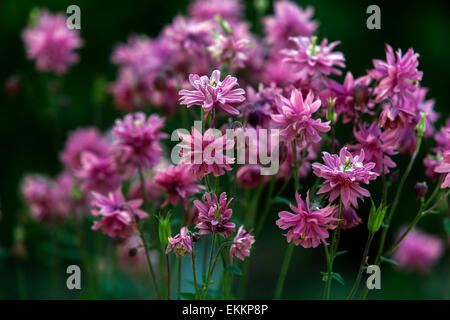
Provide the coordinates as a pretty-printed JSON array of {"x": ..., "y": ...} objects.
[
  {"x": 361, "y": 95},
  {"x": 421, "y": 126},
  {"x": 420, "y": 190}
]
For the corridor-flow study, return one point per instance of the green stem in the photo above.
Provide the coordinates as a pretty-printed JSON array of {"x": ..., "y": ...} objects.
[
  {"x": 284, "y": 269},
  {"x": 179, "y": 277},
  {"x": 266, "y": 207},
  {"x": 168, "y": 276},
  {"x": 194, "y": 273},
  {"x": 326, "y": 293},
  {"x": 211, "y": 255},
  {"x": 295, "y": 165},
  {"x": 361, "y": 266}
]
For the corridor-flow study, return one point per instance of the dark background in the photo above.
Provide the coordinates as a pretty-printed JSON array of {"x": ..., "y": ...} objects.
[{"x": 27, "y": 132}]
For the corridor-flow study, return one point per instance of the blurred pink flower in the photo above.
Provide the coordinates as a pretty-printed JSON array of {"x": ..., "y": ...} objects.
[
  {"x": 51, "y": 43},
  {"x": 242, "y": 244},
  {"x": 39, "y": 193},
  {"x": 118, "y": 216},
  {"x": 350, "y": 218},
  {"x": 207, "y": 9},
  {"x": 295, "y": 118},
  {"x": 342, "y": 174},
  {"x": 211, "y": 93},
  {"x": 444, "y": 168},
  {"x": 418, "y": 251},
  {"x": 181, "y": 244},
  {"x": 179, "y": 182},
  {"x": 214, "y": 215},
  {"x": 309, "y": 228},
  {"x": 249, "y": 176}
]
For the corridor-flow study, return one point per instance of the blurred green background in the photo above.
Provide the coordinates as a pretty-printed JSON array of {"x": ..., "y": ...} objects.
[{"x": 27, "y": 134}]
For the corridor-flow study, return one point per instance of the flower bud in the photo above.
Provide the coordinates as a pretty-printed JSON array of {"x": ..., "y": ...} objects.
[
  {"x": 196, "y": 237},
  {"x": 12, "y": 86},
  {"x": 361, "y": 95},
  {"x": 255, "y": 117},
  {"x": 164, "y": 229},
  {"x": 421, "y": 126},
  {"x": 376, "y": 217},
  {"x": 394, "y": 175},
  {"x": 331, "y": 111},
  {"x": 420, "y": 190}
]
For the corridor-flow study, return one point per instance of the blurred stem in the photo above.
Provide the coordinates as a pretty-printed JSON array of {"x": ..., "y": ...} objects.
[
  {"x": 295, "y": 165},
  {"x": 211, "y": 255},
  {"x": 213, "y": 267},
  {"x": 267, "y": 207},
  {"x": 179, "y": 277},
  {"x": 194, "y": 273},
  {"x": 361, "y": 266},
  {"x": 284, "y": 269},
  {"x": 168, "y": 276}
]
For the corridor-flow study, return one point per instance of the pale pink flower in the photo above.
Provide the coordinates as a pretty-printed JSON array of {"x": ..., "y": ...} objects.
[
  {"x": 181, "y": 244},
  {"x": 342, "y": 174},
  {"x": 309, "y": 228},
  {"x": 242, "y": 244},
  {"x": 211, "y": 93}
]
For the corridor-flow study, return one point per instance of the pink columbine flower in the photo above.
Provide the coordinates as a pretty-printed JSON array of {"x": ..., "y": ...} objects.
[
  {"x": 309, "y": 228},
  {"x": 444, "y": 168},
  {"x": 249, "y": 176},
  {"x": 118, "y": 215},
  {"x": 98, "y": 173},
  {"x": 350, "y": 218},
  {"x": 372, "y": 141},
  {"x": 295, "y": 118},
  {"x": 397, "y": 75},
  {"x": 310, "y": 59},
  {"x": 181, "y": 244},
  {"x": 82, "y": 140},
  {"x": 179, "y": 182},
  {"x": 230, "y": 10},
  {"x": 242, "y": 244},
  {"x": 51, "y": 43},
  {"x": 342, "y": 174},
  {"x": 211, "y": 93},
  {"x": 418, "y": 251},
  {"x": 205, "y": 154},
  {"x": 139, "y": 137},
  {"x": 394, "y": 117},
  {"x": 232, "y": 50},
  {"x": 39, "y": 193},
  {"x": 289, "y": 20},
  {"x": 214, "y": 215}
]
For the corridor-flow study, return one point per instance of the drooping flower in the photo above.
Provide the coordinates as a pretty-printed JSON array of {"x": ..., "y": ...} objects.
[
  {"x": 342, "y": 174},
  {"x": 214, "y": 215},
  {"x": 179, "y": 182},
  {"x": 242, "y": 244},
  {"x": 289, "y": 20},
  {"x": 295, "y": 118},
  {"x": 397, "y": 76},
  {"x": 211, "y": 93},
  {"x": 444, "y": 168},
  {"x": 98, "y": 173},
  {"x": 118, "y": 216},
  {"x": 418, "y": 251},
  {"x": 139, "y": 138},
  {"x": 249, "y": 176},
  {"x": 51, "y": 43},
  {"x": 181, "y": 244},
  {"x": 310, "y": 59},
  {"x": 83, "y": 140},
  {"x": 309, "y": 227},
  {"x": 393, "y": 117},
  {"x": 205, "y": 154},
  {"x": 350, "y": 218},
  {"x": 376, "y": 150}
]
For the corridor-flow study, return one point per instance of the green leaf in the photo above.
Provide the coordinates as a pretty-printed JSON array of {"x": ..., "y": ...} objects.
[
  {"x": 337, "y": 277},
  {"x": 282, "y": 200},
  {"x": 339, "y": 253},
  {"x": 447, "y": 225},
  {"x": 187, "y": 295},
  {"x": 234, "y": 269},
  {"x": 389, "y": 261}
]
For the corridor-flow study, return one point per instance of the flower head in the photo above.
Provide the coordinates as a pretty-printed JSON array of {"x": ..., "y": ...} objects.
[
  {"x": 242, "y": 244},
  {"x": 181, "y": 244},
  {"x": 309, "y": 227},
  {"x": 350, "y": 218},
  {"x": 51, "y": 43},
  {"x": 208, "y": 9},
  {"x": 211, "y": 93},
  {"x": 214, "y": 215},
  {"x": 39, "y": 193},
  {"x": 310, "y": 58},
  {"x": 139, "y": 137},
  {"x": 295, "y": 117},
  {"x": 118, "y": 216},
  {"x": 418, "y": 251},
  {"x": 179, "y": 182},
  {"x": 444, "y": 168},
  {"x": 342, "y": 174}
]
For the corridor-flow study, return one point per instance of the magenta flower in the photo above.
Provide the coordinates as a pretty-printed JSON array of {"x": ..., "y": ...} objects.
[
  {"x": 118, "y": 215},
  {"x": 51, "y": 43},
  {"x": 376, "y": 150},
  {"x": 289, "y": 21},
  {"x": 214, "y": 215},
  {"x": 232, "y": 50},
  {"x": 295, "y": 118},
  {"x": 350, "y": 218},
  {"x": 230, "y": 10},
  {"x": 138, "y": 137},
  {"x": 249, "y": 176},
  {"x": 393, "y": 117},
  {"x": 205, "y": 154},
  {"x": 211, "y": 93},
  {"x": 342, "y": 174},
  {"x": 310, "y": 58},
  {"x": 179, "y": 183},
  {"x": 189, "y": 34},
  {"x": 82, "y": 140},
  {"x": 98, "y": 173},
  {"x": 242, "y": 244},
  {"x": 181, "y": 243},
  {"x": 39, "y": 193},
  {"x": 418, "y": 251},
  {"x": 444, "y": 168},
  {"x": 309, "y": 228},
  {"x": 397, "y": 75}
]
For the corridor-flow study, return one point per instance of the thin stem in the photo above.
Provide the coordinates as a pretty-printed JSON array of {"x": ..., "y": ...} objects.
[
  {"x": 326, "y": 292},
  {"x": 168, "y": 276},
  {"x": 295, "y": 165},
  {"x": 284, "y": 269},
  {"x": 211, "y": 254},
  {"x": 179, "y": 277},
  {"x": 266, "y": 207},
  {"x": 361, "y": 266},
  {"x": 149, "y": 262},
  {"x": 194, "y": 273},
  {"x": 333, "y": 250}
]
